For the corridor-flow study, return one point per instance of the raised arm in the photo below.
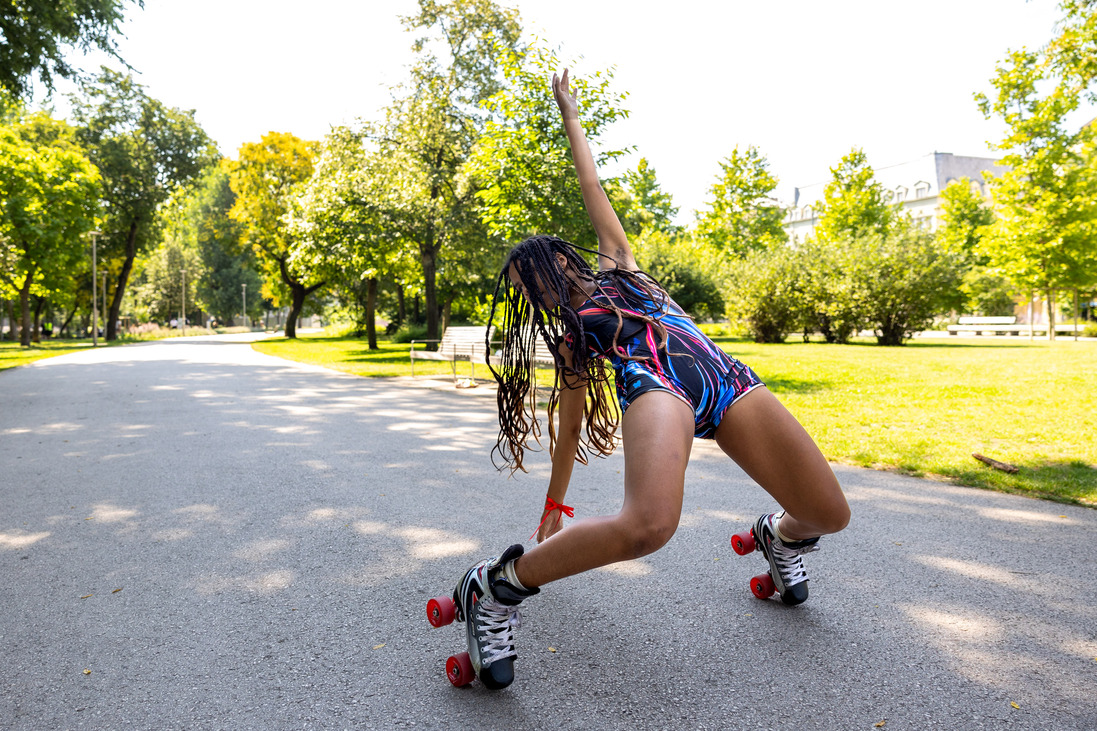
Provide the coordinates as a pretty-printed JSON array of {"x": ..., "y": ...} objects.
[{"x": 612, "y": 242}]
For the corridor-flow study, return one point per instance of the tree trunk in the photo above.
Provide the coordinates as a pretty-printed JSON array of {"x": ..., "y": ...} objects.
[
  {"x": 1077, "y": 322},
  {"x": 36, "y": 328},
  {"x": 401, "y": 305},
  {"x": 24, "y": 304},
  {"x": 65, "y": 325},
  {"x": 123, "y": 280},
  {"x": 371, "y": 312},
  {"x": 1051, "y": 314},
  {"x": 297, "y": 303},
  {"x": 1031, "y": 324},
  {"x": 430, "y": 293},
  {"x": 447, "y": 308}
]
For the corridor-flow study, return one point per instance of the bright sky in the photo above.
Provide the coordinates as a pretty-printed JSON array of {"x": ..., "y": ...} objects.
[{"x": 805, "y": 81}]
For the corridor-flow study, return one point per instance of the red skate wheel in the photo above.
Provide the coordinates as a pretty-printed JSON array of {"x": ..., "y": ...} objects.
[
  {"x": 743, "y": 543},
  {"x": 459, "y": 670},
  {"x": 762, "y": 586},
  {"x": 441, "y": 611}
]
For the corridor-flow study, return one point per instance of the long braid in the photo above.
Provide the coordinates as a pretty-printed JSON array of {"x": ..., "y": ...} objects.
[{"x": 525, "y": 321}]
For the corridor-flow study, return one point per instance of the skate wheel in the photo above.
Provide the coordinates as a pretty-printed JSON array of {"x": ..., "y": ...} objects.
[
  {"x": 743, "y": 543},
  {"x": 762, "y": 586},
  {"x": 459, "y": 670},
  {"x": 441, "y": 611}
]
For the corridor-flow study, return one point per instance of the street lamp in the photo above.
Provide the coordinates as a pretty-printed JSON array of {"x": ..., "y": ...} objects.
[
  {"x": 94, "y": 295},
  {"x": 245, "y": 291},
  {"x": 183, "y": 318}
]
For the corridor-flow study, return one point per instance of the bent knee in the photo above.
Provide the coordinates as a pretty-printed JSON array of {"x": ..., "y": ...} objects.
[{"x": 650, "y": 537}]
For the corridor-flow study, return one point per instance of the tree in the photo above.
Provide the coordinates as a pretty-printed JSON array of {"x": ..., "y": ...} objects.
[
  {"x": 906, "y": 280},
  {"x": 48, "y": 200},
  {"x": 765, "y": 293},
  {"x": 145, "y": 152},
  {"x": 343, "y": 225},
  {"x": 267, "y": 177},
  {"x": 199, "y": 236},
  {"x": 523, "y": 163},
  {"x": 853, "y": 204},
  {"x": 742, "y": 215},
  {"x": 37, "y": 34},
  {"x": 642, "y": 204},
  {"x": 431, "y": 130},
  {"x": 1047, "y": 200},
  {"x": 965, "y": 220},
  {"x": 689, "y": 267}
]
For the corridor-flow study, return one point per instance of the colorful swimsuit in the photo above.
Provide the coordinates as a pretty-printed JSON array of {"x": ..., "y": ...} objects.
[{"x": 698, "y": 372}]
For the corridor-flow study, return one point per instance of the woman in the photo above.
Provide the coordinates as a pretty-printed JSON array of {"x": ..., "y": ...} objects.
[{"x": 672, "y": 383}]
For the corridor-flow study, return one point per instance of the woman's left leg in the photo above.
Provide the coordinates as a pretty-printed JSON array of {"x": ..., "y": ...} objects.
[{"x": 771, "y": 446}]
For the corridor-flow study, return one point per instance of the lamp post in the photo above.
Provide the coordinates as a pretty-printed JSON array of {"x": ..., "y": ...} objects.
[
  {"x": 183, "y": 314},
  {"x": 245, "y": 295},
  {"x": 94, "y": 294}
]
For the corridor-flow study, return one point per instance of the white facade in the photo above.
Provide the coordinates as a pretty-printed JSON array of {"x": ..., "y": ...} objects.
[{"x": 916, "y": 185}]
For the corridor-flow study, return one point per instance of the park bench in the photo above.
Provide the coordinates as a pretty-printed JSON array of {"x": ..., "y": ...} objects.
[
  {"x": 467, "y": 343},
  {"x": 457, "y": 343},
  {"x": 980, "y": 325},
  {"x": 1007, "y": 326}
]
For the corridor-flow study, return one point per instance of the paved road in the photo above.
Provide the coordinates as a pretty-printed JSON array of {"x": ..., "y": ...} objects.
[{"x": 194, "y": 535}]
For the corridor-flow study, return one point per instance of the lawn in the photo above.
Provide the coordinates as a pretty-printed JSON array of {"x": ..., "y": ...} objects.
[
  {"x": 922, "y": 409},
  {"x": 13, "y": 354}
]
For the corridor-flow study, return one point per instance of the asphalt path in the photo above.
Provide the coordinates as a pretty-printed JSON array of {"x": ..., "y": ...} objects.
[{"x": 197, "y": 536}]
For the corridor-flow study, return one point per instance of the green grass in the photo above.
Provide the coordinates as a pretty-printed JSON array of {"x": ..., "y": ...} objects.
[
  {"x": 13, "y": 354},
  {"x": 922, "y": 409}
]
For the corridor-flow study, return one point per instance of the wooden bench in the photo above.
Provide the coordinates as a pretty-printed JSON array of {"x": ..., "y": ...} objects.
[
  {"x": 457, "y": 343},
  {"x": 1008, "y": 326},
  {"x": 980, "y": 325}
]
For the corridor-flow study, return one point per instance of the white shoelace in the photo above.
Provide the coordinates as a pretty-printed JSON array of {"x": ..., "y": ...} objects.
[
  {"x": 498, "y": 621},
  {"x": 789, "y": 562}
]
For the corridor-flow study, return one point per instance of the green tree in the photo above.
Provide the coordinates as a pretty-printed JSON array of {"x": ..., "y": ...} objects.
[
  {"x": 765, "y": 293},
  {"x": 853, "y": 204},
  {"x": 965, "y": 220},
  {"x": 145, "y": 152},
  {"x": 267, "y": 177},
  {"x": 689, "y": 267},
  {"x": 1047, "y": 200},
  {"x": 906, "y": 279},
  {"x": 48, "y": 201},
  {"x": 430, "y": 132},
  {"x": 199, "y": 236},
  {"x": 742, "y": 215},
  {"x": 343, "y": 225},
  {"x": 522, "y": 163},
  {"x": 38, "y": 33},
  {"x": 645, "y": 205}
]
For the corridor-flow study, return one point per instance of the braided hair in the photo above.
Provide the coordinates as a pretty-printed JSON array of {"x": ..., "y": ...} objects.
[{"x": 545, "y": 312}]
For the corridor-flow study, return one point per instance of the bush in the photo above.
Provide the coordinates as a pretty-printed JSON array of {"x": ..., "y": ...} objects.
[
  {"x": 408, "y": 332},
  {"x": 765, "y": 295},
  {"x": 1090, "y": 330}
]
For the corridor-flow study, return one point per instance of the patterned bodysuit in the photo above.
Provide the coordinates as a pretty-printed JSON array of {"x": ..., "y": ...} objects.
[{"x": 698, "y": 372}]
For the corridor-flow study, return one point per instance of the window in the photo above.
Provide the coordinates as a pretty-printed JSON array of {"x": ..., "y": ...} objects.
[
  {"x": 900, "y": 194},
  {"x": 921, "y": 190}
]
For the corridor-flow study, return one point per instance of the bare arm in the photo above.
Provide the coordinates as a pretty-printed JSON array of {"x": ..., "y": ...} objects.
[
  {"x": 613, "y": 246},
  {"x": 572, "y": 403}
]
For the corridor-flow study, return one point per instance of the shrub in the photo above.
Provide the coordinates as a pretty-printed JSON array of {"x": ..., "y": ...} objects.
[
  {"x": 765, "y": 295},
  {"x": 408, "y": 332}
]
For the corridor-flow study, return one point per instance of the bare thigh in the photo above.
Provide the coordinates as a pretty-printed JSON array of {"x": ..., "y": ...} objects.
[
  {"x": 657, "y": 432},
  {"x": 771, "y": 446}
]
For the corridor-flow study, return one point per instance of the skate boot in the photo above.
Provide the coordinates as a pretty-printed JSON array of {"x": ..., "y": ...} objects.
[
  {"x": 786, "y": 566},
  {"x": 487, "y": 601}
]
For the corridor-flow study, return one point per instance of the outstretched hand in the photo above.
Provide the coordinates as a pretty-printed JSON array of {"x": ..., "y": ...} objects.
[{"x": 565, "y": 98}]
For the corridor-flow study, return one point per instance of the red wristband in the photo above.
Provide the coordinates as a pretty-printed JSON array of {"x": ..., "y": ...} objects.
[{"x": 551, "y": 505}]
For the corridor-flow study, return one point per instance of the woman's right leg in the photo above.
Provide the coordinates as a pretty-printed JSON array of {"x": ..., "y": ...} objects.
[{"x": 657, "y": 435}]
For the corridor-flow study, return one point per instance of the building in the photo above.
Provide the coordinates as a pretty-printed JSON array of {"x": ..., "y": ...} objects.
[{"x": 915, "y": 185}]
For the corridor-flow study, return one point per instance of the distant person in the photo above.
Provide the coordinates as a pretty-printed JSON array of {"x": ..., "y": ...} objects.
[{"x": 672, "y": 384}]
